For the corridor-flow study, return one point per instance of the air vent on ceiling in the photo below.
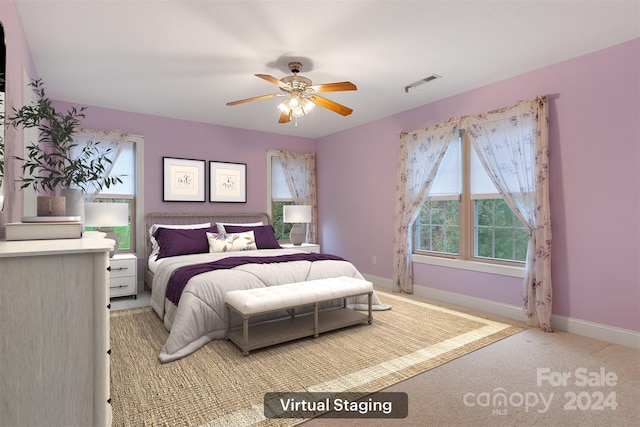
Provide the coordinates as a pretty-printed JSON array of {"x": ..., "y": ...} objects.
[{"x": 428, "y": 79}]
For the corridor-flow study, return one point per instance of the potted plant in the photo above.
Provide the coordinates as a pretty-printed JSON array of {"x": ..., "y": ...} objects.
[{"x": 56, "y": 163}]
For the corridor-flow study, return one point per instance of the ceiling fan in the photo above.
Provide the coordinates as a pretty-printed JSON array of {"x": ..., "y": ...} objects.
[{"x": 301, "y": 95}]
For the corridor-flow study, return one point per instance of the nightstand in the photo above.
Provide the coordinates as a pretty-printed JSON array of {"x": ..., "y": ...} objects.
[
  {"x": 307, "y": 247},
  {"x": 123, "y": 277}
]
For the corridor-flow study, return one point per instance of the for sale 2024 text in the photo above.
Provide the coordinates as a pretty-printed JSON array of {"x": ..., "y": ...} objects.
[
  {"x": 593, "y": 397},
  {"x": 591, "y": 390}
]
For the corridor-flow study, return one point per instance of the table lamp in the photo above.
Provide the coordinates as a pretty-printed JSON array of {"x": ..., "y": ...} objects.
[
  {"x": 105, "y": 216},
  {"x": 298, "y": 215}
]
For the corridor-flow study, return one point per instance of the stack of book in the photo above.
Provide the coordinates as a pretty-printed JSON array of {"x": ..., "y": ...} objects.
[{"x": 45, "y": 228}]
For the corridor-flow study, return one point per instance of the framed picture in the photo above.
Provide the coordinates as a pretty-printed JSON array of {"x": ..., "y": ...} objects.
[
  {"x": 227, "y": 182},
  {"x": 183, "y": 180}
]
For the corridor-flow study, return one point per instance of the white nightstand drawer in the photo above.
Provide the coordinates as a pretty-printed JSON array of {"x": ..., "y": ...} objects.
[
  {"x": 122, "y": 267},
  {"x": 122, "y": 286}
]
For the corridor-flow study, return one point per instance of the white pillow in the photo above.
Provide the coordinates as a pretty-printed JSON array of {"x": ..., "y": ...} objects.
[
  {"x": 231, "y": 242},
  {"x": 155, "y": 248},
  {"x": 221, "y": 230}
]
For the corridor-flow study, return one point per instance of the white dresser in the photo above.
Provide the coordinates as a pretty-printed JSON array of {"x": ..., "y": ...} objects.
[{"x": 54, "y": 332}]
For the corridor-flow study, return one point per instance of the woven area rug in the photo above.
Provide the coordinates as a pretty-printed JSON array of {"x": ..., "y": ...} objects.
[{"x": 216, "y": 385}]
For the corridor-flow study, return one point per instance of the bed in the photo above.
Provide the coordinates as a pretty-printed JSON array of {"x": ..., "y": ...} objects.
[{"x": 188, "y": 282}]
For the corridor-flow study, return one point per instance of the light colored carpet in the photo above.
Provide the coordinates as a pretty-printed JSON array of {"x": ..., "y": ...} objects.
[
  {"x": 216, "y": 385},
  {"x": 465, "y": 392}
]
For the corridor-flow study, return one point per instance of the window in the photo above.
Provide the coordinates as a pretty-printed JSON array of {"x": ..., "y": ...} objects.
[
  {"x": 278, "y": 195},
  {"x": 465, "y": 216},
  {"x": 128, "y": 166},
  {"x": 439, "y": 227},
  {"x": 498, "y": 233}
]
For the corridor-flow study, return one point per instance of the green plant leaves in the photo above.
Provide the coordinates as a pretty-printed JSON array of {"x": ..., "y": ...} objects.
[{"x": 51, "y": 163}]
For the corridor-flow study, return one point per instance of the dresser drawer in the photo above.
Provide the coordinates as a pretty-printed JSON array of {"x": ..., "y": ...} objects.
[{"x": 122, "y": 268}]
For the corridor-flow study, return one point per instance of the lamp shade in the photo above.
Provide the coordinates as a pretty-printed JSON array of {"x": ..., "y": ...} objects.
[
  {"x": 296, "y": 213},
  {"x": 106, "y": 214}
]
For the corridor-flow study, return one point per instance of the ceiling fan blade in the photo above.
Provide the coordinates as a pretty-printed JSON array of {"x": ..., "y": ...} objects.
[
  {"x": 331, "y": 105},
  {"x": 255, "y": 98},
  {"x": 285, "y": 117},
  {"x": 274, "y": 81},
  {"x": 333, "y": 87}
]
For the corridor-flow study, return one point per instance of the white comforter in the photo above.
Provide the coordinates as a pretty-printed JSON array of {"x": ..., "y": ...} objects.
[{"x": 199, "y": 316}]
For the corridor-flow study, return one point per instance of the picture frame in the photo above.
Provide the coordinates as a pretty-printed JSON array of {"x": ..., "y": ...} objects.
[
  {"x": 227, "y": 182},
  {"x": 183, "y": 180}
]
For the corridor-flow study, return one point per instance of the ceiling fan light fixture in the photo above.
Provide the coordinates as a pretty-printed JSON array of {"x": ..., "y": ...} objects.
[
  {"x": 296, "y": 106},
  {"x": 301, "y": 95},
  {"x": 307, "y": 106},
  {"x": 303, "y": 108},
  {"x": 284, "y": 107}
]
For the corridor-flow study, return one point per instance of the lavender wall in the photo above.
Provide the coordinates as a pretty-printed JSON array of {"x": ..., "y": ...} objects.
[
  {"x": 191, "y": 140},
  {"x": 595, "y": 187}
]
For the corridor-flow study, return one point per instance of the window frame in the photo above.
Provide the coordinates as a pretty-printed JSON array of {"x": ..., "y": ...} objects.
[
  {"x": 137, "y": 206},
  {"x": 286, "y": 228},
  {"x": 466, "y": 258},
  {"x": 271, "y": 154}
]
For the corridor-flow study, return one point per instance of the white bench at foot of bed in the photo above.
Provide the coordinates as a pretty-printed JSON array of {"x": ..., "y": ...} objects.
[{"x": 252, "y": 302}]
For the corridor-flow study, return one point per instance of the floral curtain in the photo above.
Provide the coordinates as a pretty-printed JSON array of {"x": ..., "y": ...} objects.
[
  {"x": 513, "y": 146},
  {"x": 421, "y": 152},
  {"x": 300, "y": 174},
  {"x": 110, "y": 146}
]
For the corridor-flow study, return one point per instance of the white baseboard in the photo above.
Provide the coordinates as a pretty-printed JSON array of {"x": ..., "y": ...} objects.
[
  {"x": 599, "y": 331},
  {"x": 585, "y": 328}
]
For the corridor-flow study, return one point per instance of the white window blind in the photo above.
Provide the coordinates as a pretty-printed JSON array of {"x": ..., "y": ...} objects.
[
  {"x": 279, "y": 187},
  {"x": 481, "y": 185},
  {"x": 446, "y": 185},
  {"x": 125, "y": 164}
]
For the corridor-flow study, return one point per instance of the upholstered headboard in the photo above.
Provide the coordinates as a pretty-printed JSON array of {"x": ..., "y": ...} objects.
[{"x": 195, "y": 218}]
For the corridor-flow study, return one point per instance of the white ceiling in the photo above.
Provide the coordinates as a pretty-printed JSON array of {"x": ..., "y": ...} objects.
[{"x": 185, "y": 58}]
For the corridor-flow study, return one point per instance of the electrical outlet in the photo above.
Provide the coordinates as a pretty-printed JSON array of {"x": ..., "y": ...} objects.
[{"x": 374, "y": 260}]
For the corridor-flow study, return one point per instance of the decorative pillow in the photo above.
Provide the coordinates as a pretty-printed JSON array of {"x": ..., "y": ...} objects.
[
  {"x": 265, "y": 235},
  {"x": 180, "y": 241},
  {"x": 222, "y": 226},
  {"x": 231, "y": 242},
  {"x": 154, "y": 245}
]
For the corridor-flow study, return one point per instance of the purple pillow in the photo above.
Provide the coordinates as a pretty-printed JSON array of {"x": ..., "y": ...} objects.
[
  {"x": 179, "y": 241},
  {"x": 264, "y": 234}
]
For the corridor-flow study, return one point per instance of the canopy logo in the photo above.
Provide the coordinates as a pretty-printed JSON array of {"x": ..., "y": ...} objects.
[{"x": 592, "y": 394}]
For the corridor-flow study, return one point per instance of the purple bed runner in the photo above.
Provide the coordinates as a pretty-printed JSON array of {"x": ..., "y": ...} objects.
[{"x": 181, "y": 276}]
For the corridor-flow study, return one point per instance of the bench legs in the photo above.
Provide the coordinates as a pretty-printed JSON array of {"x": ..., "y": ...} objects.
[
  {"x": 316, "y": 331},
  {"x": 243, "y": 341},
  {"x": 227, "y": 320},
  {"x": 245, "y": 327},
  {"x": 245, "y": 333}
]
